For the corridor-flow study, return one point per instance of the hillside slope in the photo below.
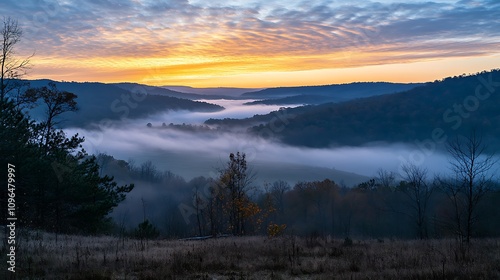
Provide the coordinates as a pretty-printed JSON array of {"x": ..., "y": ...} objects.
[
  {"x": 98, "y": 101},
  {"x": 452, "y": 105},
  {"x": 324, "y": 94},
  {"x": 187, "y": 92}
]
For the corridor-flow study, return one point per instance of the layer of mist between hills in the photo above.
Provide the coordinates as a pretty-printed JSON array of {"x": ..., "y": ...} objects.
[{"x": 200, "y": 153}]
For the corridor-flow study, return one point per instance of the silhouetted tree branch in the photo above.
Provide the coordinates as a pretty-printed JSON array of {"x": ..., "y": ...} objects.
[
  {"x": 12, "y": 68},
  {"x": 471, "y": 166}
]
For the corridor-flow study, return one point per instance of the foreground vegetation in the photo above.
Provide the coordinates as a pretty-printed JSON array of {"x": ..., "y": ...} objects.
[{"x": 42, "y": 256}]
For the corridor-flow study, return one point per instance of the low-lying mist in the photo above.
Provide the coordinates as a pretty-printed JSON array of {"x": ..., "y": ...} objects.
[
  {"x": 200, "y": 153},
  {"x": 233, "y": 109},
  {"x": 192, "y": 152}
]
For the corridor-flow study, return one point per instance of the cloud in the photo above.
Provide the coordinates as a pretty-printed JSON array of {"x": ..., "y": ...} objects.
[{"x": 255, "y": 36}]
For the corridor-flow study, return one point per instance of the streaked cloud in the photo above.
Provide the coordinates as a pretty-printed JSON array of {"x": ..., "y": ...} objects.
[{"x": 161, "y": 41}]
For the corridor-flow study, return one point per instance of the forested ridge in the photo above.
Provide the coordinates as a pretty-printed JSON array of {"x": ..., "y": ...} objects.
[
  {"x": 324, "y": 94},
  {"x": 99, "y": 102},
  {"x": 454, "y": 104}
]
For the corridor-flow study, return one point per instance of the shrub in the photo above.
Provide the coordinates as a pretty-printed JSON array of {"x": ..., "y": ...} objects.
[
  {"x": 146, "y": 230},
  {"x": 347, "y": 241},
  {"x": 274, "y": 230}
]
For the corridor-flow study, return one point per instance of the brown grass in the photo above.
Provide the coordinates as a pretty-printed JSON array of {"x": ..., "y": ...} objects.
[{"x": 78, "y": 257}]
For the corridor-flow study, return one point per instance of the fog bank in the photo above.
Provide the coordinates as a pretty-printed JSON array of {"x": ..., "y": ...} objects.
[{"x": 200, "y": 153}]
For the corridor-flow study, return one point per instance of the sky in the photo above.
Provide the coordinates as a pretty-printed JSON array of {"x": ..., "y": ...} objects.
[{"x": 257, "y": 43}]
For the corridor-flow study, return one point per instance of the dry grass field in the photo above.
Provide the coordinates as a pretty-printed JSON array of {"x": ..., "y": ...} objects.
[{"x": 40, "y": 256}]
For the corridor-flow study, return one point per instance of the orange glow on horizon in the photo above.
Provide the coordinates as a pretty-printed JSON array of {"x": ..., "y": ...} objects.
[
  {"x": 256, "y": 72},
  {"x": 255, "y": 44}
]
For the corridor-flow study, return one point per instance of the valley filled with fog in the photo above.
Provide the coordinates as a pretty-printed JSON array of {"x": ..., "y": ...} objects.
[{"x": 200, "y": 152}]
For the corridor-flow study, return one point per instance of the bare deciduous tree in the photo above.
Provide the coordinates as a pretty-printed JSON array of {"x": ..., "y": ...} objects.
[
  {"x": 149, "y": 172},
  {"x": 278, "y": 190},
  {"x": 386, "y": 179},
  {"x": 418, "y": 191},
  {"x": 12, "y": 68},
  {"x": 471, "y": 167}
]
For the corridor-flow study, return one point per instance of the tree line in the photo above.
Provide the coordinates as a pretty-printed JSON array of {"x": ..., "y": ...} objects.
[
  {"x": 412, "y": 204},
  {"x": 407, "y": 205}
]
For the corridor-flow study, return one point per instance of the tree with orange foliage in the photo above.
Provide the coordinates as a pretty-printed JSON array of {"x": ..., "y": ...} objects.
[{"x": 235, "y": 180}]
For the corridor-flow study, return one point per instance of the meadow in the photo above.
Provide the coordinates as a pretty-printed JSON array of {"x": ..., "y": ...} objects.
[{"x": 47, "y": 256}]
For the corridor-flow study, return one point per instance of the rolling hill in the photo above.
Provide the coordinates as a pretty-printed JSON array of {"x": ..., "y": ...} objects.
[
  {"x": 188, "y": 92},
  {"x": 98, "y": 101},
  {"x": 450, "y": 106},
  {"x": 454, "y": 105},
  {"x": 217, "y": 91},
  {"x": 324, "y": 94}
]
